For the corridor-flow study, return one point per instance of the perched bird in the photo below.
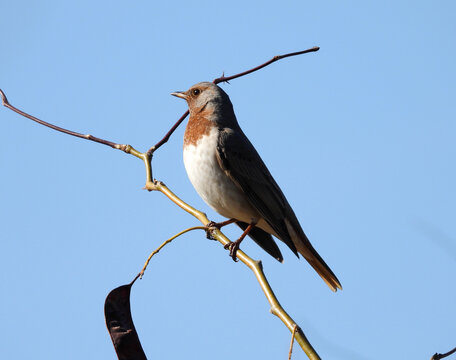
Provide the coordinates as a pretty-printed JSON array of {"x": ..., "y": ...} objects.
[{"x": 230, "y": 176}]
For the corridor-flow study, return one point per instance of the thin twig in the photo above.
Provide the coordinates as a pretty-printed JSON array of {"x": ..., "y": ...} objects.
[
  {"x": 168, "y": 134},
  {"x": 274, "y": 59},
  {"x": 438, "y": 356},
  {"x": 292, "y": 341},
  {"x": 114, "y": 145},
  {"x": 226, "y": 79},
  {"x": 157, "y": 250},
  {"x": 123, "y": 147}
]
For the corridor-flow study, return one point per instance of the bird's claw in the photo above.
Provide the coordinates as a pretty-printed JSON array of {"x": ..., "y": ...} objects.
[
  {"x": 233, "y": 247},
  {"x": 209, "y": 228}
]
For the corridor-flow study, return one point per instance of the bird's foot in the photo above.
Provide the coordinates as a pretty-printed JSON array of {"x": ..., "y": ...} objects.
[
  {"x": 213, "y": 225},
  {"x": 233, "y": 247},
  {"x": 209, "y": 228}
]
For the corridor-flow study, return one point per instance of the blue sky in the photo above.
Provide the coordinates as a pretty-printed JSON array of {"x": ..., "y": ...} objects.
[{"x": 360, "y": 136}]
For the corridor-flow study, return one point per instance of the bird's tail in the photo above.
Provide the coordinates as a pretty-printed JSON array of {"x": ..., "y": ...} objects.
[
  {"x": 321, "y": 268},
  {"x": 306, "y": 249}
]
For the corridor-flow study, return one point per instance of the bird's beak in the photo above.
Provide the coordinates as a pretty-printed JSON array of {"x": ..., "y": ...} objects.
[{"x": 180, "y": 94}]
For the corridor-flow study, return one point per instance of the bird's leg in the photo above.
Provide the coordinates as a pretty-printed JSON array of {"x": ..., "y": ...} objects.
[
  {"x": 234, "y": 246},
  {"x": 210, "y": 226},
  {"x": 221, "y": 224}
]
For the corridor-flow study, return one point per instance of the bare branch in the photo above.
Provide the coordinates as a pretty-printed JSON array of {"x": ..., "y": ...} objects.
[
  {"x": 157, "y": 250},
  {"x": 6, "y": 103},
  {"x": 126, "y": 148},
  {"x": 274, "y": 59},
  {"x": 226, "y": 79},
  {"x": 168, "y": 134},
  {"x": 123, "y": 147}
]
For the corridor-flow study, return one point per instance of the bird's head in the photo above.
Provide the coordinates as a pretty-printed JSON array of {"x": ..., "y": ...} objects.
[{"x": 206, "y": 96}]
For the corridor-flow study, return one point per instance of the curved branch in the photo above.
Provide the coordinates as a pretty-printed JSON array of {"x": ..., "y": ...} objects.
[
  {"x": 253, "y": 265},
  {"x": 157, "y": 250}
]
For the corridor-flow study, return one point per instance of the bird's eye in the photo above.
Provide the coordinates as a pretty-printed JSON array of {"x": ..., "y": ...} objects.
[{"x": 196, "y": 92}]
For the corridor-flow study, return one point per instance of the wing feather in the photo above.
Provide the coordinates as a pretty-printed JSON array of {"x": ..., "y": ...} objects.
[{"x": 241, "y": 162}]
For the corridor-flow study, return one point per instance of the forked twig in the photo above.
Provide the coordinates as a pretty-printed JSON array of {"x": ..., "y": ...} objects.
[
  {"x": 127, "y": 148},
  {"x": 226, "y": 79}
]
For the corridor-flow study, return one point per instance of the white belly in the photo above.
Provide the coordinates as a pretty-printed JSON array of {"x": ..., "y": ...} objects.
[{"x": 212, "y": 184}]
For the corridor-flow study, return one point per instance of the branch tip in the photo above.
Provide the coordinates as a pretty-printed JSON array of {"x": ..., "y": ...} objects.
[
  {"x": 4, "y": 98},
  {"x": 55, "y": 127}
]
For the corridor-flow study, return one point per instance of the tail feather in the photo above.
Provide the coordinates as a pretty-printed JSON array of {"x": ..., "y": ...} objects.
[
  {"x": 324, "y": 271},
  {"x": 306, "y": 249}
]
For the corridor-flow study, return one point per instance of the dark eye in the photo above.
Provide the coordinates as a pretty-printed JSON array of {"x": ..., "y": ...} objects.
[{"x": 196, "y": 92}]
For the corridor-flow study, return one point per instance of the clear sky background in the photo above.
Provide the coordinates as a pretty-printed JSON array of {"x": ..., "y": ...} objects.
[{"x": 360, "y": 136}]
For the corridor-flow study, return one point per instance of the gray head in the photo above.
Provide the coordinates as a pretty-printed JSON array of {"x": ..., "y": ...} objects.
[{"x": 207, "y": 96}]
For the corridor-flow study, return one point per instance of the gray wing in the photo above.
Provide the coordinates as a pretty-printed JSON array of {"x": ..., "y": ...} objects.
[{"x": 241, "y": 162}]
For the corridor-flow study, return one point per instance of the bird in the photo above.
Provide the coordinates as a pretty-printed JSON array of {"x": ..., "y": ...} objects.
[{"x": 229, "y": 175}]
